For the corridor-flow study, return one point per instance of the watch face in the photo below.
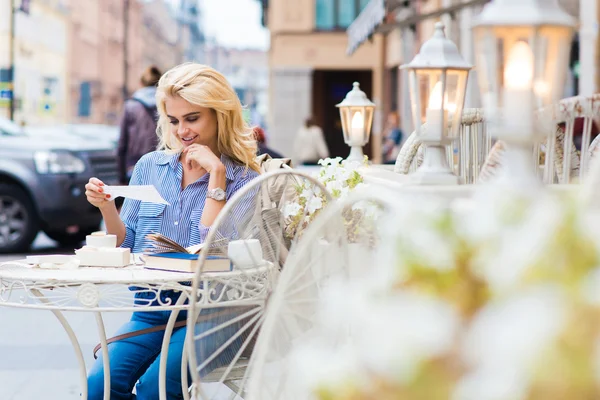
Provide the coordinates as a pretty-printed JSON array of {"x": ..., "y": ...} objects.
[{"x": 217, "y": 194}]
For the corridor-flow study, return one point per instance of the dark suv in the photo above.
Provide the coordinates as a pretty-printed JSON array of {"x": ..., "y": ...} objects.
[{"x": 42, "y": 186}]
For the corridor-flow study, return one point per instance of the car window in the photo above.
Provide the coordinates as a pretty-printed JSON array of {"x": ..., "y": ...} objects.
[{"x": 9, "y": 128}]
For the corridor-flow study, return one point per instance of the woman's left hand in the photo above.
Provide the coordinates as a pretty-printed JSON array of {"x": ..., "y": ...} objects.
[{"x": 199, "y": 156}]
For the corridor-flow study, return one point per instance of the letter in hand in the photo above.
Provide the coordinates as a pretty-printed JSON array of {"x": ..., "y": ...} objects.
[{"x": 94, "y": 192}]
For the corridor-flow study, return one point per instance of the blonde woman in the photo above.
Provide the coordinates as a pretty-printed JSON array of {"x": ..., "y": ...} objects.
[{"x": 207, "y": 153}]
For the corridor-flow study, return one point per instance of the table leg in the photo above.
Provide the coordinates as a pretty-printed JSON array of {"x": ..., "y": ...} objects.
[
  {"x": 105, "y": 358},
  {"x": 162, "y": 374},
  {"x": 74, "y": 342}
]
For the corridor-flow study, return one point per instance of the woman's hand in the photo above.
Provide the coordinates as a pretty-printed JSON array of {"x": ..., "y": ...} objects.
[
  {"x": 95, "y": 193},
  {"x": 201, "y": 157}
]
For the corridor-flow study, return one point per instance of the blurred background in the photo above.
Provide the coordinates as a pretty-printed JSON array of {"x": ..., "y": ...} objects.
[
  {"x": 75, "y": 61},
  {"x": 68, "y": 66}
]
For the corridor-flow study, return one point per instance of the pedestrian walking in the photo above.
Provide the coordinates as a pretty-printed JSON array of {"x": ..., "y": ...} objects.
[{"x": 138, "y": 125}]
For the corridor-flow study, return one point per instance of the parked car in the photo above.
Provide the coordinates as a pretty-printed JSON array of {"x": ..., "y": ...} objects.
[
  {"x": 42, "y": 183},
  {"x": 96, "y": 132}
]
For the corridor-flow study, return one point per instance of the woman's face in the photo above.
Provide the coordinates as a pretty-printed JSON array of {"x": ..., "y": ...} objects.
[{"x": 190, "y": 123}]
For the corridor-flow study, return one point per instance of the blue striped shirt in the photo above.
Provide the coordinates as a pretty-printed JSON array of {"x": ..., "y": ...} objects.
[{"x": 180, "y": 220}]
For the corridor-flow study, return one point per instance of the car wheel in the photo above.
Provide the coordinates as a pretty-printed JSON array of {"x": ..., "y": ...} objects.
[
  {"x": 71, "y": 239},
  {"x": 19, "y": 223}
]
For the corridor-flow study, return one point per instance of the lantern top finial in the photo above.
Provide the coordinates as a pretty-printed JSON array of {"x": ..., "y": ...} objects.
[
  {"x": 439, "y": 52},
  {"x": 440, "y": 30},
  {"x": 356, "y": 98}
]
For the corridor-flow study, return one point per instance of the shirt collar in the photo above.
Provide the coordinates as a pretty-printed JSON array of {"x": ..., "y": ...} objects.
[{"x": 173, "y": 160}]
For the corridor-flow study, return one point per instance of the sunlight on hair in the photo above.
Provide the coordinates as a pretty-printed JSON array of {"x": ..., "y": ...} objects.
[{"x": 203, "y": 86}]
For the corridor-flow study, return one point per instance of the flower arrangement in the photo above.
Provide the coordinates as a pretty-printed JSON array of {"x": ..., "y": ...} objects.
[
  {"x": 339, "y": 177},
  {"x": 497, "y": 300}
]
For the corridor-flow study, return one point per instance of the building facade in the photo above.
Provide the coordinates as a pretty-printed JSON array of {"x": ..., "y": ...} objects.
[
  {"x": 76, "y": 61},
  {"x": 248, "y": 72},
  {"x": 97, "y": 60},
  {"x": 40, "y": 53},
  {"x": 310, "y": 72},
  {"x": 163, "y": 42}
]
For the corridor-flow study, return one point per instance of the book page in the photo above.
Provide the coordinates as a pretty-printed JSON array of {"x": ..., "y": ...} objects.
[{"x": 137, "y": 192}]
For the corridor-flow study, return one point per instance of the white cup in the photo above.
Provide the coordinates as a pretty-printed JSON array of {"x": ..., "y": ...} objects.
[
  {"x": 245, "y": 253},
  {"x": 101, "y": 240}
]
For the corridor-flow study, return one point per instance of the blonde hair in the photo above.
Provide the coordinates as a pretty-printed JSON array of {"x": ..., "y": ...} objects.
[{"x": 203, "y": 86}]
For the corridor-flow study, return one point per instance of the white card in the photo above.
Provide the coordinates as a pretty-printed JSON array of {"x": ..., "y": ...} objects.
[{"x": 141, "y": 192}]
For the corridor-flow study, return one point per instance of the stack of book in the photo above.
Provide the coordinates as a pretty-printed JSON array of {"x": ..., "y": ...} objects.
[{"x": 168, "y": 255}]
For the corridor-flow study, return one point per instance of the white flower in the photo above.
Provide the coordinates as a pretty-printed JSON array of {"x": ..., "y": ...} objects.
[
  {"x": 333, "y": 185},
  {"x": 307, "y": 193},
  {"x": 344, "y": 191},
  {"x": 508, "y": 337},
  {"x": 508, "y": 247},
  {"x": 403, "y": 330},
  {"x": 291, "y": 210},
  {"x": 314, "y": 204},
  {"x": 490, "y": 385},
  {"x": 325, "y": 162},
  {"x": 314, "y": 363},
  {"x": 342, "y": 174}
]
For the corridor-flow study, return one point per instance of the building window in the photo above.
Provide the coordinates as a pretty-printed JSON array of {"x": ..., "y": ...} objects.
[
  {"x": 333, "y": 15},
  {"x": 85, "y": 100}
]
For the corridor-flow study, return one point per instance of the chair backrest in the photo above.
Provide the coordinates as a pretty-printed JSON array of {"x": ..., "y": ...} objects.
[
  {"x": 578, "y": 118},
  {"x": 474, "y": 144},
  {"x": 338, "y": 243},
  {"x": 227, "y": 309}
]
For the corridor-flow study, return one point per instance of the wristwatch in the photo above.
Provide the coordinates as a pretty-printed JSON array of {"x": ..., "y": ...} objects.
[{"x": 217, "y": 194}]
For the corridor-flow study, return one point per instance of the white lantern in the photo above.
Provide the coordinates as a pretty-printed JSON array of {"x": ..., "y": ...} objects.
[
  {"x": 438, "y": 80},
  {"x": 356, "y": 112},
  {"x": 522, "y": 54}
]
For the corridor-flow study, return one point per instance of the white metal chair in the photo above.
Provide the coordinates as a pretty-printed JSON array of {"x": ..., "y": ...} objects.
[
  {"x": 338, "y": 243},
  {"x": 228, "y": 308},
  {"x": 564, "y": 162}
]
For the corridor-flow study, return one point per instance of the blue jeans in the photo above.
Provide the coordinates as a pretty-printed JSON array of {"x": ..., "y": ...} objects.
[{"x": 135, "y": 361}]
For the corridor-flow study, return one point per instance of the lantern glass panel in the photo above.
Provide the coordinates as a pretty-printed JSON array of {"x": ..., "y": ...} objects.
[
  {"x": 438, "y": 98},
  {"x": 523, "y": 58},
  {"x": 359, "y": 119},
  {"x": 345, "y": 117},
  {"x": 368, "y": 122},
  {"x": 552, "y": 57}
]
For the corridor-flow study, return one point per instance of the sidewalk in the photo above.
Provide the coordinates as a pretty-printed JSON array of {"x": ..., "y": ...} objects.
[{"x": 38, "y": 361}]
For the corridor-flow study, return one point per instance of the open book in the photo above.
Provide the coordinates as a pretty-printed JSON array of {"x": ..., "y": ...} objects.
[
  {"x": 164, "y": 244},
  {"x": 167, "y": 254}
]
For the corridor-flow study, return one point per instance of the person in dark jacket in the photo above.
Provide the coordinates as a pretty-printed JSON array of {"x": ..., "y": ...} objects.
[
  {"x": 138, "y": 125},
  {"x": 261, "y": 140}
]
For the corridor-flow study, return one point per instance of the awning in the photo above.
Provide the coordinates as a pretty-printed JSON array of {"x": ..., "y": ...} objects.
[
  {"x": 371, "y": 19},
  {"x": 365, "y": 24}
]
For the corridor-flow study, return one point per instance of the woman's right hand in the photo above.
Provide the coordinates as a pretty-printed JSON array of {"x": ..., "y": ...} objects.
[{"x": 94, "y": 192}]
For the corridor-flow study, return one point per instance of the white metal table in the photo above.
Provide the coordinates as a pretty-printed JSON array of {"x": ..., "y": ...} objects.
[{"x": 99, "y": 290}]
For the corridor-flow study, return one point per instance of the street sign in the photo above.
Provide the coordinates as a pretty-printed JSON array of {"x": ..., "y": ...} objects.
[{"x": 5, "y": 96}]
